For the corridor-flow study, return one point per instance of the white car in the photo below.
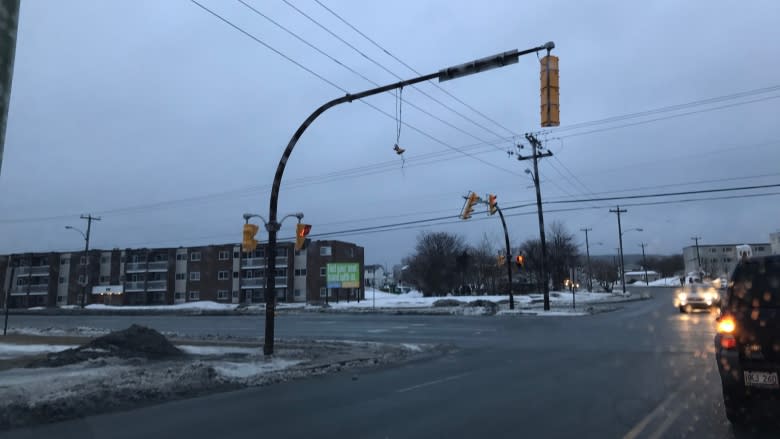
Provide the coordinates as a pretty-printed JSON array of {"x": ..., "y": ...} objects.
[{"x": 696, "y": 296}]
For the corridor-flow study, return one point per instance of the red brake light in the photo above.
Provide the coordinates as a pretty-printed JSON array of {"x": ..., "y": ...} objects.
[{"x": 728, "y": 342}]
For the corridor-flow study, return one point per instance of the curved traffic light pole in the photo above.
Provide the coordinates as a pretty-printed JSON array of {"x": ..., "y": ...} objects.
[
  {"x": 508, "y": 257},
  {"x": 476, "y": 66}
]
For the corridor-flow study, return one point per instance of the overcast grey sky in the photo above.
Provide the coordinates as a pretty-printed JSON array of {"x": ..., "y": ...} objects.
[{"x": 160, "y": 107}]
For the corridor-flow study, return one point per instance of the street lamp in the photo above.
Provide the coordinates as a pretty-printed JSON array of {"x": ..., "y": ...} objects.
[
  {"x": 86, "y": 263},
  {"x": 622, "y": 261}
]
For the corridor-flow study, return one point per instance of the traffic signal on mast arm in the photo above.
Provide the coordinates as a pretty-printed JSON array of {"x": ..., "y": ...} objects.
[
  {"x": 301, "y": 231},
  {"x": 492, "y": 204},
  {"x": 520, "y": 261},
  {"x": 468, "y": 208},
  {"x": 550, "y": 91},
  {"x": 249, "y": 243}
]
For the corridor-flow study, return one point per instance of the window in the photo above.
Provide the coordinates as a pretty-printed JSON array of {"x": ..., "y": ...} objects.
[
  {"x": 325, "y": 251},
  {"x": 298, "y": 293},
  {"x": 259, "y": 253},
  {"x": 104, "y": 279},
  {"x": 161, "y": 257},
  {"x": 103, "y": 259},
  {"x": 324, "y": 292},
  {"x": 760, "y": 248},
  {"x": 281, "y": 252},
  {"x": 195, "y": 256},
  {"x": 224, "y": 255},
  {"x": 122, "y": 278},
  {"x": 235, "y": 294},
  {"x": 350, "y": 252},
  {"x": 83, "y": 260},
  {"x": 236, "y": 255},
  {"x": 64, "y": 261},
  {"x": 195, "y": 275},
  {"x": 181, "y": 276},
  {"x": 323, "y": 271},
  {"x": 714, "y": 259},
  {"x": 62, "y": 280},
  {"x": 300, "y": 272},
  {"x": 725, "y": 249},
  {"x": 713, "y": 250},
  {"x": 194, "y": 295},
  {"x": 223, "y": 275},
  {"x": 222, "y": 294},
  {"x": 179, "y": 296},
  {"x": 181, "y": 257},
  {"x": 299, "y": 252},
  {"x": 60, "y": 299},
  {"x": 235, "y": 275},
  {"x": 81, "y": 278}
]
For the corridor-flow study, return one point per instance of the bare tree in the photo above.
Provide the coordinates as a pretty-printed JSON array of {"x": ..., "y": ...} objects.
[
  {"x": 433, "y": 268},
  {"x": 606, "y": 273},
  {"x": 562, "y": 253}
]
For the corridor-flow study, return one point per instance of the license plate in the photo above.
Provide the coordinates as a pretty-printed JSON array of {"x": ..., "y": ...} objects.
[{"x": 761, "y": 379}]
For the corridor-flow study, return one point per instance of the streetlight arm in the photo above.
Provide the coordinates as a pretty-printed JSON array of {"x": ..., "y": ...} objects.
[{"x": 83, "y": 235}]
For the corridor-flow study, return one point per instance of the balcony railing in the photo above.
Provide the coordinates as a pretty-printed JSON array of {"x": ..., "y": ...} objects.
[
  {"x": 135, "y": 267},
  {"x": 134, "y": 286},
  {"x": 156, "y": 285},
  {"x": 281, "y": 261},
  {"x": 41, "y": 270},
  {"x": 158, "y": 266},
  {"x": 36, "y": 290},
  {"x": 259, "y": 282}
]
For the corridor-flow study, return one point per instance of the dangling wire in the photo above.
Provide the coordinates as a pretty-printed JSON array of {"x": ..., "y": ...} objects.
[{"x": 398, "y": 122}]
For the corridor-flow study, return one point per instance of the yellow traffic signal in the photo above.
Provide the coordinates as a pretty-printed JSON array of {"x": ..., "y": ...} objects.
[
  {"x": 492, "y": 204},
  {"x": 468, "y": 208},
  {"x": 501, "y": 260},
  {"x": 249, "y": 243},
  {"x": 550, "y": 92},
  {"x": 520, "y": 261},
  {"x": 301, "y": 231}
]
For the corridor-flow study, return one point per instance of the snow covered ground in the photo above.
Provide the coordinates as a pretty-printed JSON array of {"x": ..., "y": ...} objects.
[
  {"x": 415, "y": 299},
  {"x": 663, "y": 282},
  {"x": 542, "y": 313},
  {"x": 11, "y": 350}
]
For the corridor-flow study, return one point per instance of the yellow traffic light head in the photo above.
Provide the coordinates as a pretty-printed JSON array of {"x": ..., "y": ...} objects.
[
  {"x": 520, "y": 261},
  {"x": 301, "y": 231},
  {"x": 492, "y": 204},
  {"x": 249, "y": 242},
  {"x": 550, "y": 92},
  {"x": 468, "y": 207}
]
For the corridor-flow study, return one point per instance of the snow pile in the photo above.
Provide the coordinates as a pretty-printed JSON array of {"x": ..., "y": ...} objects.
[
  {"x": 241, "y": 371},
  {"x": 9, "y": 350},
  {"x": 663, "y": 282},
  {"x": 202, "y": 305},
  {"x": 218, "y": 350}
]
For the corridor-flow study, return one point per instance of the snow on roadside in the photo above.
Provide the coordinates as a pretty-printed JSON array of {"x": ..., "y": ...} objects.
[
  {"x": 236, "y": 370},
  {"x": 83, "y": 331},
  {"x": 218, "y": 350},
  {"x": 199, "y": 305},
  {"x": 412, "y": 347},
  {"x": 541, "y": 313},
  {"x": 664, "y": 282},
  {"x": 10, "y": 350}
]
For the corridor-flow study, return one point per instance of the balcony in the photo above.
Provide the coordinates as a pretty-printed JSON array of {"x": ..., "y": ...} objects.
[
  {"x": 34, "y": 290},
  {"x": 281, "y": 261},
  {"x": 134, "y": 286},
  {"x": 135, "y": 267},
  {"x": 41, "y": 270},
  {"x": 158, "y": 266},
  {"x": 156, "y": 285},
  {"x": 259, "y": 282}
]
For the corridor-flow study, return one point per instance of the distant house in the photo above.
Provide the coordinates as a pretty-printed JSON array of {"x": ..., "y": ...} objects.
[
  {"x": 639, "y": 276},
  {"x": 375, "y": 276}
]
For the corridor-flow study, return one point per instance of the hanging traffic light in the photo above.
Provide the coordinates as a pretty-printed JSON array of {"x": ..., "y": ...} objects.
[
  {"x": 520, "y": 261},
  {"x": 550, "y": 92},
  {"x": 301, "y": 231},
  {"x": 468, "y": 207},
  {"x": 249, "y": 243},
  {"x": 492, "y": 204},
  {"x": 501, "y": 260}
]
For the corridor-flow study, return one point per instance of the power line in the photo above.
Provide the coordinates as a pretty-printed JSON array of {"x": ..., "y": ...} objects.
[
  {"x": 383, "y": 67},
  {"x": 322, "y": 52},
  {"x": 369, "y": 39}
]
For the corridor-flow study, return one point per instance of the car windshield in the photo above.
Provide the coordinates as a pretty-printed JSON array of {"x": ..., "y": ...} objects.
[{"x": 756, "y": 284}]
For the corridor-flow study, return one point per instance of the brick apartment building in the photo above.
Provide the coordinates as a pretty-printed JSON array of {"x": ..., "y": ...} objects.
[{"x": 161, "y": 276}]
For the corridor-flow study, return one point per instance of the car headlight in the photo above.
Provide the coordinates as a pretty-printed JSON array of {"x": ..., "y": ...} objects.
[{"x": 682, "y": 296}]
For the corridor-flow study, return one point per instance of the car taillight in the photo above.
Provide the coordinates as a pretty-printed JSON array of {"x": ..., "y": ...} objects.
[
  {"x": 726, "y": 325},
  {"x": 728, "y": 342}
]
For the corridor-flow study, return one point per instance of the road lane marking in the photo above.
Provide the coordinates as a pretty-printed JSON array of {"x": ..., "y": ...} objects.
[
  {"x": 662, "y": 407},
  {"x": 665, "y": 425},
  {"x": 430, "y": 383}
]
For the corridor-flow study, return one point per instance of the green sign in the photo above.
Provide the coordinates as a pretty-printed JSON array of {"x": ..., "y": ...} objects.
[{"x": 343, "y": 275}]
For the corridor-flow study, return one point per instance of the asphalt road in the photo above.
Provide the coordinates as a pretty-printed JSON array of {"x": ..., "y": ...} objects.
[{"x": 644, "y": 371}]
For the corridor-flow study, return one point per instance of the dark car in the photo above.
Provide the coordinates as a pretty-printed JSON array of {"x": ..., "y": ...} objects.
[{"x": 747, "y": 344}]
